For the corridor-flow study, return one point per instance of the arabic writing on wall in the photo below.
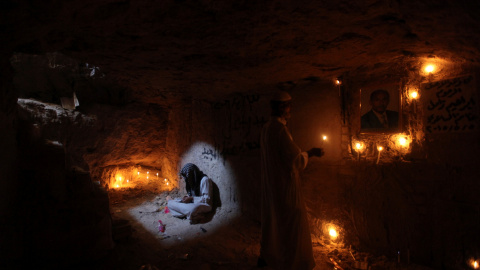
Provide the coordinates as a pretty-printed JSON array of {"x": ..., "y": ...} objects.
[
  {"x": 240, "y": 120},
  {"x": 451, "y": 105}
]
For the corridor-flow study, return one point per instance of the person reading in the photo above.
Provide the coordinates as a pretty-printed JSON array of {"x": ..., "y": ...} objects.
[{"x": 198, "y": 201}]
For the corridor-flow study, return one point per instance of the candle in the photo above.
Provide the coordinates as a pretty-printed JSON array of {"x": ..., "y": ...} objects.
[
  {"x": 324, "y": 139},
  {"x": 358, "y": 146},
  {"x": 414, "y": 96},
  {"x": 379, "y": 148}
]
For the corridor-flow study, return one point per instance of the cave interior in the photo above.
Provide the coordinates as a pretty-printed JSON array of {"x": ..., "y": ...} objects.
[{"x": 104, "y": 101}]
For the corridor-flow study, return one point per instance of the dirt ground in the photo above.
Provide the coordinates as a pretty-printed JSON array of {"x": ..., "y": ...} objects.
[{"x": 228, "y": 241}]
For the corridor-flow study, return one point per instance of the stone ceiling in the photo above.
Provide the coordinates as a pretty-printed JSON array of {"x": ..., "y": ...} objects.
[{"x": 185, "y": 47}]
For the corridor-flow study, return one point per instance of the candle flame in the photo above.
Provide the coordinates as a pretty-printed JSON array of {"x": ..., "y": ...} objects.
[
  {"x": 324, "y": 137},
  {"x": 117, "y": 186},
  {"x": 414, "y": 94},
  {"x": 338, "y": 82},
  {"x": 402, "y": 141},
  {"x": 358, "y": 146},
  {"x": 333, "y": 233},
  {"x": 475, "y": 265},
  {"x": 380, "y": 148},
  {"x": 429, "y": 68}
]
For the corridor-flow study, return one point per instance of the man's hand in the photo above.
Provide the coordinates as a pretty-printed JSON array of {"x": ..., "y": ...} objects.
[
  {"x": 187, "y": 199},
  {"x": 318, "y": 152}
]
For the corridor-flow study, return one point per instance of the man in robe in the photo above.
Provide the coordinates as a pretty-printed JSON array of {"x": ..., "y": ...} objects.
[
  {"x": 379, "y": 117},
  {"x": 285, "y": 241},
  {"x": 198, "y": 201}
]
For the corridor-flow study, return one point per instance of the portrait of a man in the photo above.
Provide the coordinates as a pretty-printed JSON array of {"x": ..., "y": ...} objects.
[{"x": 379, "y": 116}]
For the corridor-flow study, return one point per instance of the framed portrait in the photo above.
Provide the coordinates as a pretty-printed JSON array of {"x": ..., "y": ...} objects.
[{"x": 380, "y": 109}]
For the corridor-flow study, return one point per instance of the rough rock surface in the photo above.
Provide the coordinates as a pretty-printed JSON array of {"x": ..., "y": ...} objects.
[{"x": 205, "y": 48}]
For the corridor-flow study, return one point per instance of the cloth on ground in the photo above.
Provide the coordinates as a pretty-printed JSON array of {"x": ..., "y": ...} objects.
[{"x": 200, "y": 206}]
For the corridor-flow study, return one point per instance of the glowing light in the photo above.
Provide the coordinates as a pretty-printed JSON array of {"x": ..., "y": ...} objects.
[
  {"x": 475, "y": 265},
  {"x": 147, "y": 177},
  {"x": 338, "y": 82},
  {"x": 120, "y": 178},
  {"x": 117, "y": 186},
  {"x": 157, "y": 173},
  {"x": 165, "y": 179},
  {"x": 358, "y": 146},
  {"x": 138, "y": 173},
  {"x": 414, "y": 94},
  {"x": 324, "y": 137},
  {"x": 148, "y": 172},
  {"x": 167, "y": 183},
  {"x": 429, "y": 68},
  {"x": 128, "y": 180},
  {"x": 380, "y": 149},
  {"x": 402, "y": 141},
  {"x": 333, "y": 233}
]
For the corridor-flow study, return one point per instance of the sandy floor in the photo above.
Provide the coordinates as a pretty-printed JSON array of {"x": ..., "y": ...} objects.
[{"x": 225, "y": 242}]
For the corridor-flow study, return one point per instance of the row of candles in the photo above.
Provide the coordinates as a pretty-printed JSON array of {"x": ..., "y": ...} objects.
[
  {"x": 359, "y": 146},
  {"x": 402, "y": 141},
  {"x": 119, "y": 179}
]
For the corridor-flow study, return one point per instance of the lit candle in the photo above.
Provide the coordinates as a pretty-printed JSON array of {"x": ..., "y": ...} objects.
[
  {"x": 414, "y": 96},
  {"x": 475, "y": 265},
  {"x": 429, "y": 68},
  {"x": 402, "y": 141},
  {"x": 324, "y": 139},
  {"x": 333, "y": 233},
  {"x": 380, "y": 149},
  {"x": 358, "y": 146}
]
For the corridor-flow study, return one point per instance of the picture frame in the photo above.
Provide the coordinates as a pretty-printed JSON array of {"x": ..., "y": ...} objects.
[{"x": 381, "y": 108}]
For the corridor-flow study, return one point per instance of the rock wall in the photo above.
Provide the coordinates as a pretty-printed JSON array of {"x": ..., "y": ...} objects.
[{"x": 8, "y": 162}]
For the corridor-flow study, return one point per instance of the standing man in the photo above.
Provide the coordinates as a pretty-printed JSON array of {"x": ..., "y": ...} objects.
[
  {"x": 286, "y": 241},
  {"x": 379, "y": 117}
]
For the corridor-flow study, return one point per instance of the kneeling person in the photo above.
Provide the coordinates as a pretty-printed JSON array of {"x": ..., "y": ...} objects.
[{"x": 198, "y": 202}]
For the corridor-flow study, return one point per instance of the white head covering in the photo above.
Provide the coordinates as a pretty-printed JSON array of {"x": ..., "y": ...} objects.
[{"x": 281, "y": 96}]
